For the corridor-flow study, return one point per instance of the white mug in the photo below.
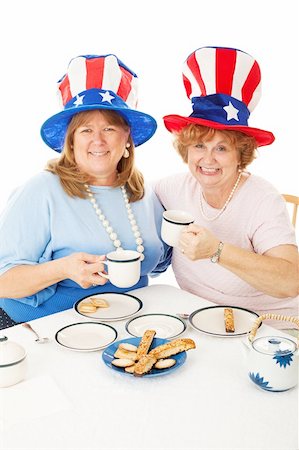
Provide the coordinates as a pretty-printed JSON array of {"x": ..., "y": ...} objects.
[
  {"x": 173, "y": 223},
  {"x": 123, "y": 268}
]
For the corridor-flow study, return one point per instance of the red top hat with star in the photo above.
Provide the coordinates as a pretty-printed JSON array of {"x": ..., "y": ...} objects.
[{"x": 224, "y": 86}]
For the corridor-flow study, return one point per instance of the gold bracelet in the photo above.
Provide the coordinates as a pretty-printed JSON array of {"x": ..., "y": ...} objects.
[{"x": 215, "y": 258}]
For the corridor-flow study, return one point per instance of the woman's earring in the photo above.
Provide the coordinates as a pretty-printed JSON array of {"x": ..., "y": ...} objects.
[{"x": 126, "y": 152}]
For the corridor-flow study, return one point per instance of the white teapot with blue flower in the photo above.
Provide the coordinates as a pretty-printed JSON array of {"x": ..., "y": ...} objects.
[{"x": 272, "y": 360}]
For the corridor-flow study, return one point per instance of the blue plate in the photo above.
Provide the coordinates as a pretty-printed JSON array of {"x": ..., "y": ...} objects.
[{"x": 108, "y": 357}]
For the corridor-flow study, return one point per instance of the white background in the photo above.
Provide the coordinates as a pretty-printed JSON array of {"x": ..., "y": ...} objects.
[{"x": 153, "y": 38}]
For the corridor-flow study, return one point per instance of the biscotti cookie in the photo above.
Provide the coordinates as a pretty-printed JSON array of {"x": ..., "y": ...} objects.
[
  {"x": 172, "y": 348},
  {"x": 145, "y": 343},
  {"x": 144, "y": 365},
  {"x": 229, "y": 320}
]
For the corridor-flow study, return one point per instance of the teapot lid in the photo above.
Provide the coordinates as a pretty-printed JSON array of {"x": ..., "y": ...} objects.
[
  {"x": 274, "y": 345},
  {"x": 10, "y": 352}
]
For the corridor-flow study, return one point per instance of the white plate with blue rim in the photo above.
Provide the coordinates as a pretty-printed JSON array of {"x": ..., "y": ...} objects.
[
  {"x": 120, "y": 306},
  {"x": 165, "y": 325},
  {"x": 210, "y": 320},
  {"x": 108, "y": 357},
  {"x": 86, "y": 336}
]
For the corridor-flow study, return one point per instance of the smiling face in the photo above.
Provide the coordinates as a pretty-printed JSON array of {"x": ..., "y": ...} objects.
[
  {"x": 99, "y": 142},
  {"x": 214, "y": 162}
]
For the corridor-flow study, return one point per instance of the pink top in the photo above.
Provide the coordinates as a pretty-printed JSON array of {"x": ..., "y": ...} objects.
[{"x": 256, "y": 219}]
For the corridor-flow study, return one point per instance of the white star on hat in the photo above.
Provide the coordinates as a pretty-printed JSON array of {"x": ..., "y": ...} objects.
[
  {"x": 231, "y": 111},
  {"x": 106, "y": 97},
  {"x": 79, "y": 100}
]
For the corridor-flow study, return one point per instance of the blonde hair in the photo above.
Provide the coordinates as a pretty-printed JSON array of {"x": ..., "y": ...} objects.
[
  {"x": 192, "y": 133},
  {"x": 73, "y": 180}
]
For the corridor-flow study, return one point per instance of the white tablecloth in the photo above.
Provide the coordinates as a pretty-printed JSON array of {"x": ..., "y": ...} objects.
[{"x": 72, "y": 400}]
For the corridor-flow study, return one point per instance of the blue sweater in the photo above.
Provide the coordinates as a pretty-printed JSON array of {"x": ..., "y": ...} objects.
[{"x": 42, "y": 223}]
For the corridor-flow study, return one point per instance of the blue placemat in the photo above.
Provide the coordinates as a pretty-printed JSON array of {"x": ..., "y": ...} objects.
[{"x": 5, "y": 320}]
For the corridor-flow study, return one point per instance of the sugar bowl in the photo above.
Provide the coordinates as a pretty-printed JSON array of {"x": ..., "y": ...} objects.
[{"x": 12, "y": 362}]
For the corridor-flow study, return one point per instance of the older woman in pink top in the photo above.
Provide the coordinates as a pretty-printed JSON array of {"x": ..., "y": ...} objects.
[{"x": 241, "y": 249}]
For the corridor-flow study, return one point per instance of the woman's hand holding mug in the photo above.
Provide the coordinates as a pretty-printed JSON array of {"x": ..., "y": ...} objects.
[
  {"x": 198, "y": 242},
  {"x": 83, "y": 268}
]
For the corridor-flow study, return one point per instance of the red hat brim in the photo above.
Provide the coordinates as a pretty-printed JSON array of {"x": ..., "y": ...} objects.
[{"x": 175, "y": 123}]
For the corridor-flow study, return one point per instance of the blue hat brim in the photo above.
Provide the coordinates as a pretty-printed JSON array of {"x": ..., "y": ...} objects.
[{"x": 53, "y": 131}]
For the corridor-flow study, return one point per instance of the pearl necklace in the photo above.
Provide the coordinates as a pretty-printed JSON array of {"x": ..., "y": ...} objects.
[
  {"x": 210, "y": 219},
  {"x": 113, "y": 236}
]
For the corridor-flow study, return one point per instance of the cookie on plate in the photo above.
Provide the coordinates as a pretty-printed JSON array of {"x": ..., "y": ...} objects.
[
  {"x": 121, "y": 353},
  {"x": 87, "y": 308},
  {"x": 165, "y": 363},
  {"x": 99, "y": 302},
  {"x": 122, "y": 362}
]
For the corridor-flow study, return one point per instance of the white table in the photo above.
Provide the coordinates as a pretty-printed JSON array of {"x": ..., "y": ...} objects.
[{"x": 71, "y": 400}]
